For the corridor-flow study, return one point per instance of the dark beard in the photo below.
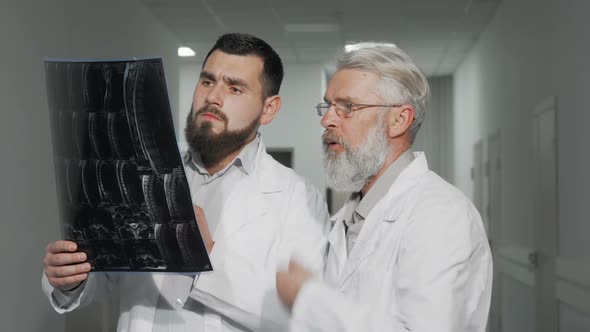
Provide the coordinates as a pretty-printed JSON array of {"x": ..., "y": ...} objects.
[{"x": 214, "y": 147}]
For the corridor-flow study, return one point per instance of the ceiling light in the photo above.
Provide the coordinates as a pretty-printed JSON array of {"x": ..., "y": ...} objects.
[
  {"x": 356, "y": 46},
  {"x": 185, "y": 51}
]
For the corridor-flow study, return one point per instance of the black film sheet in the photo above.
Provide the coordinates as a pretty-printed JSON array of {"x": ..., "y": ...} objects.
[{"x": 122, "y": 192}]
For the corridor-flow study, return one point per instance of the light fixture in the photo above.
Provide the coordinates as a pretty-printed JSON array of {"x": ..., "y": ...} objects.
[
  {"x": 356, "y": 46},
  {"x": 184, "y": 51}
]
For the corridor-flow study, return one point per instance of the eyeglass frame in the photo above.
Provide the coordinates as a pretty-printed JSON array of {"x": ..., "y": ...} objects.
[{"x": 349, "y": 106}]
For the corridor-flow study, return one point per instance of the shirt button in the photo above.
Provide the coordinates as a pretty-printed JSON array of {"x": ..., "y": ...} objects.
[{"x": 178, "y": 302}]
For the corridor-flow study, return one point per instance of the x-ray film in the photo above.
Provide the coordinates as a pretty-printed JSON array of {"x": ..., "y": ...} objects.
[{"x": 122, "y": 191}]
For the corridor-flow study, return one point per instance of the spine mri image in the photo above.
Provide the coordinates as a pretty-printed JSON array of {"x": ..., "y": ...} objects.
[{"x": 122, "y": 191}]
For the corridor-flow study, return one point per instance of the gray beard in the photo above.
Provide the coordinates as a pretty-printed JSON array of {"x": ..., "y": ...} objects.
[{"x": 352, "y": 169}]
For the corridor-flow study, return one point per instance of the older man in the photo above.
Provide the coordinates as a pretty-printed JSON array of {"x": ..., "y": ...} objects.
[{"x": 408, "y": 251}]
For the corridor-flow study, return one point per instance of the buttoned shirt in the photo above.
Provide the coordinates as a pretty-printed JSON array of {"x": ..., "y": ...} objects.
[{"x": 358, "y": 211}]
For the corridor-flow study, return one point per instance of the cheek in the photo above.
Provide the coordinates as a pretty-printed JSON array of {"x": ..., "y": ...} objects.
[
  {"x": 198, "y": 99},
  {"x": 240, "y": 114},
  {"x": 354, "y": 137}
]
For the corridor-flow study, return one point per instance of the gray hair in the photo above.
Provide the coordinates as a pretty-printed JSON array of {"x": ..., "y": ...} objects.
[{"x": 402, "y": 82}]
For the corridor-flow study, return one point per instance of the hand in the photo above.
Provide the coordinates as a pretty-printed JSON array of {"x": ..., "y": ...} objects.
[
  {"x": 204, "y": 228},
  {"x": 64, "y": 267},
  {"x": 289, "y": 283}
]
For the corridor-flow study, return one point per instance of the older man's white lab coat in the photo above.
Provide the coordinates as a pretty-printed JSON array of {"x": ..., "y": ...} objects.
[
  {"x": 270, "y": 216},
  {"x": 421, "y": 263}
]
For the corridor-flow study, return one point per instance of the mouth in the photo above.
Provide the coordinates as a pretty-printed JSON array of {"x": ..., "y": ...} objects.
[
  {"x": 333, "y": 145},
  {"x": 210, "y": 116}
]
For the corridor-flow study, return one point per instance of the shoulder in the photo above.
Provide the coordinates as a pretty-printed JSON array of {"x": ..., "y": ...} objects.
[
  {"x": 434, "y": 206},
  {"x": 433, "y": 190},
  {"x": 272, "y": 170},
  {"x": 294, "y": 188}
]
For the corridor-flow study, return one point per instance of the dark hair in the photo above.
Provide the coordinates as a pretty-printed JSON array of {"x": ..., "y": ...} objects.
[{"x": 244, "y": 44}]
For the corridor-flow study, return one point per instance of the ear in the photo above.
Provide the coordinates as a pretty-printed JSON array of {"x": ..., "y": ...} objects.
[
  {"x": 399, "y": 121},
  {"x": 272, "y": 105}
]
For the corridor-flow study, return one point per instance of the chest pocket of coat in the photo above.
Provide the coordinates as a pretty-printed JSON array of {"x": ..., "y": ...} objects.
[
  {"x": 376, "y": 285},
  {"x": 255, "y": 241}
]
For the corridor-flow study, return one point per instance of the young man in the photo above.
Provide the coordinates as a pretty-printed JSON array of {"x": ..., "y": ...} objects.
[
  {"x": 259, "y": 212},
  {"x": 408, "y": 251}
]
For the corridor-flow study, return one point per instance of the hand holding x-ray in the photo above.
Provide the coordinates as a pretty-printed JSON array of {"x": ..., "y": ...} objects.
[{"x": 204, "y": 228}]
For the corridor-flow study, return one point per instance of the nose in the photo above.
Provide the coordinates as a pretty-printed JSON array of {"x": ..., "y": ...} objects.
[
  {"x": 215, "y": 96},
  {"x": 330, "y": 119}
]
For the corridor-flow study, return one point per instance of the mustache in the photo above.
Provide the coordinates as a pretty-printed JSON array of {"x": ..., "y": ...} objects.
[
  {"x": 212, "y": 110},
  {"x": 331, "y": 137}
]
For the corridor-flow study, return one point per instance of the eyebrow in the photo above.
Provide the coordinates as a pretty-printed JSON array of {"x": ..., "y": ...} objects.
[
  {"x": 207, "y": 75},
  {"x": 229, "y": 80},
  {"x": 346, "y": 100},
  {"x": 235, "y": 81}
]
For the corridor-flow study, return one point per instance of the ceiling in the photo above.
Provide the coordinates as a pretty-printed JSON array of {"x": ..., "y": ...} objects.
[{"x": 436, "y": 33}]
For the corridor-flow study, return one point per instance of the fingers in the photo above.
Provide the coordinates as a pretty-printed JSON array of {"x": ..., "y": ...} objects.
[
  {"x": 198, "y": 211},
  {"x": 64, "y": 267},
  {"x": 67, "y": 283},
  {"x": 66, "y": 270},
  {"x": 285, "y": 288},
  {"x": 61, "y": 246},
  {"x": 298, "y": 271},
  {"x": 204, "y": 228},
  {"x": 294, "y": 266},
  {"x": 67, "y": 277},
  {"x": 64, "y": 259}
]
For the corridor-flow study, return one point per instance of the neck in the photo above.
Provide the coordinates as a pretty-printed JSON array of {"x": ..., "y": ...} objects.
[
  {"x": 215, "y": 163},
  {"x": 391, "y": 158}
]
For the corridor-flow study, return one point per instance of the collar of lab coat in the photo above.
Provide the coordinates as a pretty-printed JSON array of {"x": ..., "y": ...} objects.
[{"x": 384, "y": 211}]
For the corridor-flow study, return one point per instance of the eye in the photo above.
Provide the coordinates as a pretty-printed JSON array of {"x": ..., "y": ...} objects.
[
  {"x": 343, "y": 106},
  {"x": 206, "y": 82},
  {"x": 235, "y": 90}
]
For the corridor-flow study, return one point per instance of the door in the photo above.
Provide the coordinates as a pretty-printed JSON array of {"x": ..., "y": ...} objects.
[
  {"x": 545, "y": 214},
  {"x": 524, "y": 298},
  {"x": 478, "y": 177},
  {"x": 492, "y": 214}
]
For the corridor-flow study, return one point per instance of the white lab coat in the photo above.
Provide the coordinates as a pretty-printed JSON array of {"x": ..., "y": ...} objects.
[
  {"x": 271, "y": 215},
  {"x": 421, "y": 263}
]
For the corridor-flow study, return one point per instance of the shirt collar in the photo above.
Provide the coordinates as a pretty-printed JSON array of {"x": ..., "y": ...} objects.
[
  {"x": 383, "y": 183},
  {"x": 245, "y": 160}
]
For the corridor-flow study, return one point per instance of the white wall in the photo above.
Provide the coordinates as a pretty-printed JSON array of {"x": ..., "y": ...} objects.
[
  {"x": 296, "y": 126},
  {"x": 435, "y": 136},
  {"x": 531, "y": 50},
  {"x": 30, "y": 31}
]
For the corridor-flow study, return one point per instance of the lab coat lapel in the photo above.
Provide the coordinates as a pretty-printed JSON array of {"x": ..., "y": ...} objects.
[
  {"x": 363, "y": 248},
  {"x": 246, "y": 202},
  {"x": 386, "y": 210}
]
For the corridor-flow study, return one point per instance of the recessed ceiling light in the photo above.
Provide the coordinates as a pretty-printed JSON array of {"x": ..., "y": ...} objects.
[
  {"x": 185, "y": 51},
  {"x": 356, "y": 46}
]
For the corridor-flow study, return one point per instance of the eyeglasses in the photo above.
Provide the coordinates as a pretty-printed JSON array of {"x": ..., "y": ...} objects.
[{"x": 344, "y": 108}]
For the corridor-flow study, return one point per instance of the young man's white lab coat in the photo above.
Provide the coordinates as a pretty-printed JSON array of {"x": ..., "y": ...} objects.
[{"x": 269, "y": 216}]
